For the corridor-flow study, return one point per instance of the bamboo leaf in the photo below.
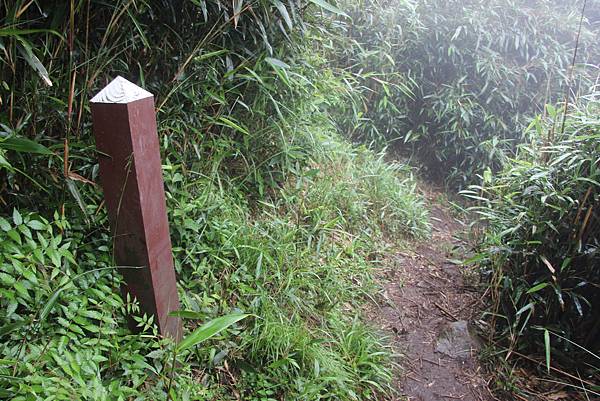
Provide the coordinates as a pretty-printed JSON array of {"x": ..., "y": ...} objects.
[
  {"x": 276, "y": 63},
  {"x": 24, "y": 145},
  {"x": 284, "y": 13},
  {"x": 537, "y": 288},
  {"x": 76, "y": 194},
  {"x": 547, "y": 346},
  {"x": 17, "y": 32},
  {"x": 235, "y": 126},
  {"x": 50, "y": 304},
  {"x": 187, "y": 314},
  {"x": 35, "y": 63},
  {"x": 206, "y": 56},
  {"x": 209, "y": 330},
  {"x": 329, "y": 7}
]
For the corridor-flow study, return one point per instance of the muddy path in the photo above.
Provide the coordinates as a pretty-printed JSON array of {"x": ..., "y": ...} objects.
[{"x": 426, "y": 309}]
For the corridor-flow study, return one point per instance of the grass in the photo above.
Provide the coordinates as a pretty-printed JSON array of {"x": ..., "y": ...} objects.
[{"x": 298, "y": 262}]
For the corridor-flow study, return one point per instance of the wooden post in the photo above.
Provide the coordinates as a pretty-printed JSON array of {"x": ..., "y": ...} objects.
[{"x": 131, "y": 176}]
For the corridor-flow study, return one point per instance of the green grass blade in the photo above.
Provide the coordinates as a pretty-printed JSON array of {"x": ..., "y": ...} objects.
[{"x": 209, "y": 330}]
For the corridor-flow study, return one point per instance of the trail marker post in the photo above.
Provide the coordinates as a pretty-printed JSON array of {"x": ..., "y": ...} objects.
[{"x": 131, "y": 175}]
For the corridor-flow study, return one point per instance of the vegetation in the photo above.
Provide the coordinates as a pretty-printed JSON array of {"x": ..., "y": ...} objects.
[
  {"x": 457, "y": 85},
  {"x": 277, "y": 120},
  {"x": 540, "y": 247},
  {"x": 272, "y": 214}
]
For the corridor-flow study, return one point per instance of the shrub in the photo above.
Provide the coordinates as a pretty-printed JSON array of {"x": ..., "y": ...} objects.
[{"x": 540, "y": 247}]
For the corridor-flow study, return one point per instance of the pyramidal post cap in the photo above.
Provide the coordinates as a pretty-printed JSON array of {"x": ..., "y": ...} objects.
[{"x": 120, "y": 91}]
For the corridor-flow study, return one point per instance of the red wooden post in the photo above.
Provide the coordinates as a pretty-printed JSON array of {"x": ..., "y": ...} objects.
[{"x": 131, "y": 176}]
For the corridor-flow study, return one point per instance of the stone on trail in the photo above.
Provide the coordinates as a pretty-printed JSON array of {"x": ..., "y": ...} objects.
[{"x": 456, "y": 341}]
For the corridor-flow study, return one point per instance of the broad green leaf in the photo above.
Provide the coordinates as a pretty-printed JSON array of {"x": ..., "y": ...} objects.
[
  {"x": 14, "y": 235},
  {"x": 36, "y": 225},
  {"x": 21, "y": 290},
  {"x": 24, "y": 145},
  {"x": 55, "y": 257},
  {"x": 4, "y": 224},
  {"x": 18, "y": 220},
  {"x": 208, "y": 330}
]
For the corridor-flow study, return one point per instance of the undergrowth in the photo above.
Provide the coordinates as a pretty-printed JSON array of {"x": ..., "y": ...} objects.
[
  {"x": 539, "y": 255},
  {"x": 271, "y": 212}
]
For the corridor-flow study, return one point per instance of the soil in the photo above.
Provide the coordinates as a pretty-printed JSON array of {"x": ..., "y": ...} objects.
[{"x": 426, "y": 310}]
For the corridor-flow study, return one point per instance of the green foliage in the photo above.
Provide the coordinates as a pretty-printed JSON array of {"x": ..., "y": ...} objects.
[
  {"x": 62, "y": 315},
  {"x": 296, "y": 262},
  {"x": 271, "y": 213},
  {"x": 540, "y": 251},
  {"x": 357, "y": 191},
  {"x": 455, "y": 80},
  {"x": 209, "y": 330},
  {"x": 369, "y": 50}
]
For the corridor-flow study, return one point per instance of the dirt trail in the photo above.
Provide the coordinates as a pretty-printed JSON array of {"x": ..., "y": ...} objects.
[{"x": 425, "y": 311}]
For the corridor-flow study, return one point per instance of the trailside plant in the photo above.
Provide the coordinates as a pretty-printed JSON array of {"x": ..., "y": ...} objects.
[
  {"x": 250, "y": 156},
  {"x": 540, "y": 250},
  {"x": 455, "y": 81},
  {"x": 368, "y": 49}
]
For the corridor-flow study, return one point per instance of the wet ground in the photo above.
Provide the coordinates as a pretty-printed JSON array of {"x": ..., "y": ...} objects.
[{"x": 426, "y": 308}]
